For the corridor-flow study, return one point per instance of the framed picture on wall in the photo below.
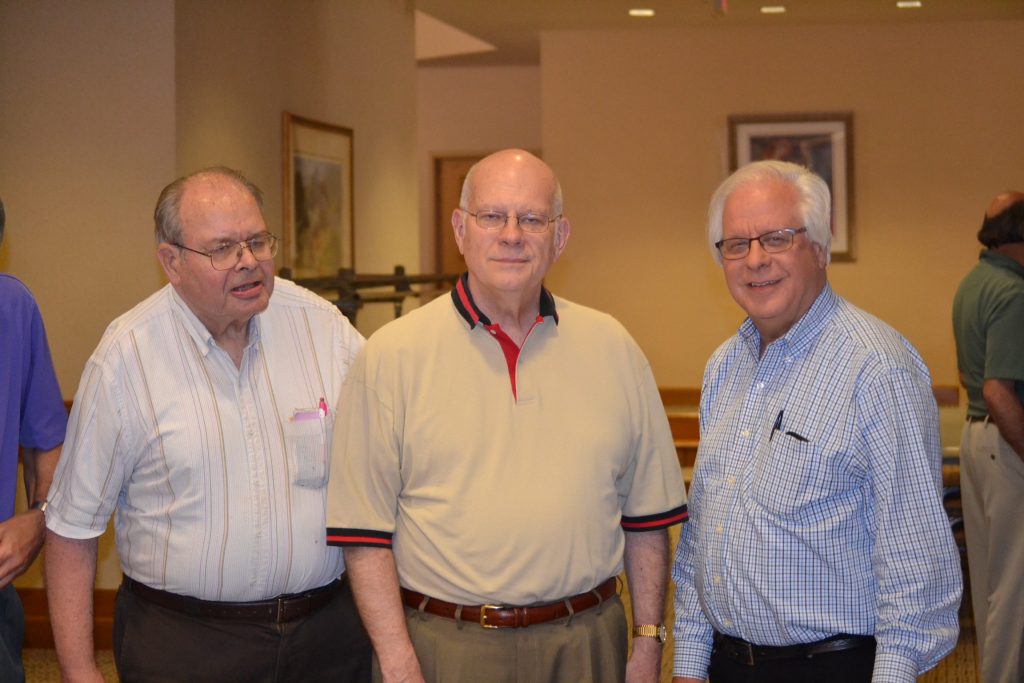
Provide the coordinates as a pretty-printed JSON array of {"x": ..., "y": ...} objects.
[
  {"x": 317, "y": 197},
  {"x": 821, "y": 142}
]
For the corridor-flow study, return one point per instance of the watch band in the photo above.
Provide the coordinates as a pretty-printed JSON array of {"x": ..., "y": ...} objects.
[
  {"x": 656, "y": 631},
  {"x": 40, "y": 505}
]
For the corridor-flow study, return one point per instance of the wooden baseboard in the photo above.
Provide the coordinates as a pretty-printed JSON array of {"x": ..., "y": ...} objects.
[{"x": 37, "y": 618}]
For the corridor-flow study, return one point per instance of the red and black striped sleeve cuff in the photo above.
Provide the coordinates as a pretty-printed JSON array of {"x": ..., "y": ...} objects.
[
  {"x": 365, "y": 538},
  {"x": 662, "y": 520}
]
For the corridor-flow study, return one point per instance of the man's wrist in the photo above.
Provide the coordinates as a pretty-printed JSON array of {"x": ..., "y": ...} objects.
[
  {"x": 657, "y": 632},
  {"x": 40, "y": 505}
]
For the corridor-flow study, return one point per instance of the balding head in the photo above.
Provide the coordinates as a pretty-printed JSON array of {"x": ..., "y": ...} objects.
[
  {"x": 511, "y": 162},
  {"x": 1004, "y": 220}
]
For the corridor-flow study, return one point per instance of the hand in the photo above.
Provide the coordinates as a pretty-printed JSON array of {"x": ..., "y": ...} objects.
[
  {"x": 21, "y": 538},
  {"x": 405, "y": 671},
  {"x": 644, "y": 665}
]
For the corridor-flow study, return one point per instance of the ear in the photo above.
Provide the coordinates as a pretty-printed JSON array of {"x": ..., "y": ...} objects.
[
  {"x": 819, "y": 251},
  {"x": 170, "y": 258},
  {"x": 562, "y": 230},
  {"x": 459, "y": 228}
]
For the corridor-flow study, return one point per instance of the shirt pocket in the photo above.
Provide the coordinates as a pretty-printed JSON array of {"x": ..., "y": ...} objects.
[
  {"x": 793, "y": 479},
  {"x": 308, "y": 446}
]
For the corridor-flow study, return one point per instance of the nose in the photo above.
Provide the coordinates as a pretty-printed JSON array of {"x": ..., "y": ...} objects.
[
  {"x": 246, "y": 259},
  {"x": 511, "y": 231},
  {"x": 756, "y": 256}
]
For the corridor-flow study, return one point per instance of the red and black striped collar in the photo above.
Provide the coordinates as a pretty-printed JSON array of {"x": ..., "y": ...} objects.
[{"x": 467, "y": 308}]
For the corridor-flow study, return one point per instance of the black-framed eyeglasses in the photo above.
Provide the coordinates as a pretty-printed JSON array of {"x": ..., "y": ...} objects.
[
  {"x": 529, "y": 222},
  {"x": 263, "y": 247},
  {"x": 772, "y": 242}
]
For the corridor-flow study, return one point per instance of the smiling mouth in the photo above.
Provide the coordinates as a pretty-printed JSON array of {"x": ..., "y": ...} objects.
[
  {"x": 764, "y": 283},
  {"x": 247, "y": 286}
]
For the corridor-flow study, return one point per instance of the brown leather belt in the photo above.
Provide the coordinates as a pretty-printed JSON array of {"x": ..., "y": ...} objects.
[
  {"x": 280, "y": 609},
  {"x": 506, "y": 616}
]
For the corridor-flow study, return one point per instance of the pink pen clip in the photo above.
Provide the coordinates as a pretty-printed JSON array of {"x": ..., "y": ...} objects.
[{"x": 323, "y": 407}]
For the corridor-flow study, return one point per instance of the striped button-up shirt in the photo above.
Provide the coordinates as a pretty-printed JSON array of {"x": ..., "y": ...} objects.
[
  {"x": 216, "y": 473},
  {"x": 816, "y": 500}
]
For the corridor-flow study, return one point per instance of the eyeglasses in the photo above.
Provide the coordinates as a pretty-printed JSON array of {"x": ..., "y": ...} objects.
[
  {"x": 529, "y": 222},
  {"x": 225, "y": 257},
  {"x": 772, "y": 242}
]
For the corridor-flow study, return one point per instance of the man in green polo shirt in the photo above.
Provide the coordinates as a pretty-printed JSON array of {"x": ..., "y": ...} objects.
[{"x": 988, "y": 322}]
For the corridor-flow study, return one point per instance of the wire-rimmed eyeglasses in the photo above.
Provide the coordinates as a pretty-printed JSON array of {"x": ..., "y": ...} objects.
[
  {"x": 495, "y": 220},
  {"x": 263, "y": 247},
  {"x": 772, "y": 242}
]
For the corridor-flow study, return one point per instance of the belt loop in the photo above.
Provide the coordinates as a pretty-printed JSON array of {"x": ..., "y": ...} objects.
[
  {"x": 423, "y": 606},
  {"x": 458, "y": 617},
  {"x": 572, "y": 612}
]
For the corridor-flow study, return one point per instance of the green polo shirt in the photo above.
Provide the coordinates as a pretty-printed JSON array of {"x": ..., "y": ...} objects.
[{"x": 988, "y": 324}]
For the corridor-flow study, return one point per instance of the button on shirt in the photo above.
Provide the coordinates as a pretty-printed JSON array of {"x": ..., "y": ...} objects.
[
  {"x": 816, "y": 500},
  {"x": 216, "y": 474}
]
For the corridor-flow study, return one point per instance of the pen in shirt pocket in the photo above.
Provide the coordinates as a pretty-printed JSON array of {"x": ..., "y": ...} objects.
[
  {"x": 306, "y": 414},
  {"x": 777, "y": 427}
]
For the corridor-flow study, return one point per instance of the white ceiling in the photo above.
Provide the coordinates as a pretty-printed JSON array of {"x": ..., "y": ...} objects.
[{"x": 514, "y": 26}]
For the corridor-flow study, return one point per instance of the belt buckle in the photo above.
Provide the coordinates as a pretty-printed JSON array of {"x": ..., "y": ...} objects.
[{"x": 483, "y": 615}]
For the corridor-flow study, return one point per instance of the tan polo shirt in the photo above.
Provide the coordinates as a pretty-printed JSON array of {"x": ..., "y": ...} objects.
[{"x": 490, "y": 496}]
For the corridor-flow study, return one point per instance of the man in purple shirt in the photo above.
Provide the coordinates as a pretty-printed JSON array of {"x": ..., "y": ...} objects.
[{"x": 32, "y": 415}]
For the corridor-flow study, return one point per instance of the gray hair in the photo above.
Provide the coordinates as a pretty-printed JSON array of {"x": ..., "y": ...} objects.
[
  {"x": 814, "y": 203},
  {"x": 467, "y": 191},
  {"x": 167, "y": 215}
]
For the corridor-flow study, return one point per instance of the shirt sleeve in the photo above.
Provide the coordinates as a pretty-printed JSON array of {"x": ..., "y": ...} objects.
[
  {"x": 915, "y": 559},
  {"x": 365, "y": 480},
  {"x": 1003, "y": 357},
  {"x": 657, "y": 496},
  {"x": 43, "y": 419},
  {"x": 94, "y": 463},
  {"x": 692, "y": 633}
]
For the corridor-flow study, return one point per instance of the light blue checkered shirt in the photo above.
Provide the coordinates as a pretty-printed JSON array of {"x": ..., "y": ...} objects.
[{"x": 829, "y": 519}]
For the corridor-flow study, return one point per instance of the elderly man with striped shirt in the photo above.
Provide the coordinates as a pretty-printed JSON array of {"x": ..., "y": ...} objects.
[
  {"x": 203, "y": 422},
  {"x": 817, "y": 548}
]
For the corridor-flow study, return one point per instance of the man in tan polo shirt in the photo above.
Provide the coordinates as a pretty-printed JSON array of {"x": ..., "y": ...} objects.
[{"x": 504, "y": 456}]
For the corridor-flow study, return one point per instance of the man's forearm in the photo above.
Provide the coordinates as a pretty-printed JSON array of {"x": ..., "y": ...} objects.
[
  {"x": 375, "y": 588},
  {"x": 646, "y": 560},
  {"x": 39, "y": 467},
  {"x": 70, "y": 575},
  {"x": 1005, "y": 409}
]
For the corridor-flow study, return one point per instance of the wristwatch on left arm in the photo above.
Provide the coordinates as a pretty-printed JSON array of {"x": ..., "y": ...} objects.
[
  {"x": 40, "y": 505},
  {"x": 658, "y": 632}
]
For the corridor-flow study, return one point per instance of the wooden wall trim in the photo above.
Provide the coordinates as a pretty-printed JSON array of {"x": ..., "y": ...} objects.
[{"x": 37, "y": 618}]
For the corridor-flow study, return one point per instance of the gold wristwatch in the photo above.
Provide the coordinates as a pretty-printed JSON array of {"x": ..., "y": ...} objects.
[{"x": 659, "y": 632}]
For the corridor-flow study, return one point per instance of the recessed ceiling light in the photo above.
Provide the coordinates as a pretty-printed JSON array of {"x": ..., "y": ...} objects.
[
  {"x": 909, "y": 4},
  {"x": 641, "y": 12},
  {"x": 773, "y": 9}
]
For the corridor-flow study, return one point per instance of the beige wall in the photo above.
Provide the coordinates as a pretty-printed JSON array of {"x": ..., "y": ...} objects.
[
  {"x": 351, "y": 64},
  {"x": 86, "y": 143},
  {"x": 103, "y": 103},
  {"x": 470, "y": 110},
  {"x": 635, "y": 124}
]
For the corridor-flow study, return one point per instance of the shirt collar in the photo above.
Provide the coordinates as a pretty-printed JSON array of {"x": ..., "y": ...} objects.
[
  {"x": 1002, "y": 261},
  {"x": 467, "y": 308},
  {"x": 799, "y": 337},
  {"x": 198, "y": 331}
]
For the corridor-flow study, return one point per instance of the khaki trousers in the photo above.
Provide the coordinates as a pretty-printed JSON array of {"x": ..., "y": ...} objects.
[
  {"x": 591, "y": 646},
  {"x": 992, "y": 494}
]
